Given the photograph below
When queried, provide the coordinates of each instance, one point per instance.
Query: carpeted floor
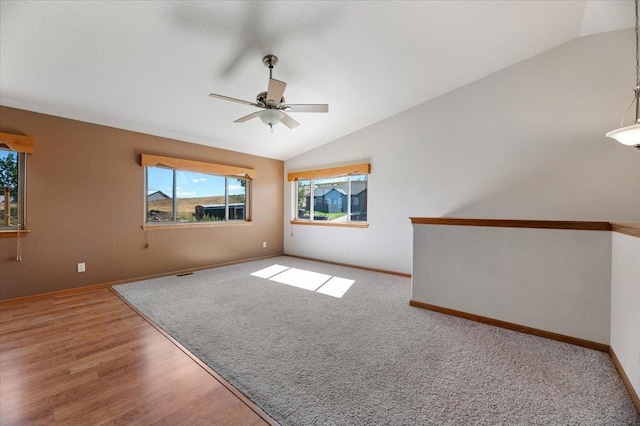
(368, 358)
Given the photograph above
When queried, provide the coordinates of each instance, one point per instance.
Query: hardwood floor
(88, 358)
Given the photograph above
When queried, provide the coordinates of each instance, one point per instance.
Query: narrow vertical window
(359, 198)
(160, 206)
(237, 190)
(303, 191)
(12, 177)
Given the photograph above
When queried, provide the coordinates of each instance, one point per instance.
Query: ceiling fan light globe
(271, 117)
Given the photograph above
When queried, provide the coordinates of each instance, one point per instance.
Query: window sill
(338, 225)
(161, 226)
(14, 234)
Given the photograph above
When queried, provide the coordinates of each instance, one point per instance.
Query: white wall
(556, 280)
(625, 305)
(526, 142)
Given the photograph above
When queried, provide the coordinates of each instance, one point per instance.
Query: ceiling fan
(272, 102)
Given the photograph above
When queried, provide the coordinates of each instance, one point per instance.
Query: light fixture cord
(637, 48)
(637, 91)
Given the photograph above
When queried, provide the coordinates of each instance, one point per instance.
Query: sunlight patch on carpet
(336, 287)
(270, 271)
(307, 280)
(302, 279)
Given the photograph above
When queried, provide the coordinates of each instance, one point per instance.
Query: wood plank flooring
(88, 358)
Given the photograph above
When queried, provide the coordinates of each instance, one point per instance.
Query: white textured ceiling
(149, 66)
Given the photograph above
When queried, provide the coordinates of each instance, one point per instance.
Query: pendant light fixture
(630, 135)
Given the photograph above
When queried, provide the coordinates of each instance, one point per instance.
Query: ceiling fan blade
(247, 117)
(308, 107)
(289, 122)
(275, 90)
(227, 98)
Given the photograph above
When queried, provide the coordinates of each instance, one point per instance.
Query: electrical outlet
(80, 267)
(264, 244)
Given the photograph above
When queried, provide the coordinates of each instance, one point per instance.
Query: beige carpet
(368, 358)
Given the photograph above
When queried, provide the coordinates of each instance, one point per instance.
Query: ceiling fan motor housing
(261, 100)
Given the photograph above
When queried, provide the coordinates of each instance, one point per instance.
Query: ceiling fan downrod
(270, 61)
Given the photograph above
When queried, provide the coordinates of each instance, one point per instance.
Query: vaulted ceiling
(149, 66)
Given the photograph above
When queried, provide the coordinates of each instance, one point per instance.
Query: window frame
(218, 170)
(313, 175)
(21, 146)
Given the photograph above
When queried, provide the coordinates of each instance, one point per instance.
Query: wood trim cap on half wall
(627, 228)
(511, 223)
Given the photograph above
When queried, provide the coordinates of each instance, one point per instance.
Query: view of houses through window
(338, 199)
(184, 196)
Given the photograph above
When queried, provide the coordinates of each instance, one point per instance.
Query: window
(183, 192)
(330, 189)
(13, 163)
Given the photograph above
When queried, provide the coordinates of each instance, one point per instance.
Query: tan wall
(85, 203)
